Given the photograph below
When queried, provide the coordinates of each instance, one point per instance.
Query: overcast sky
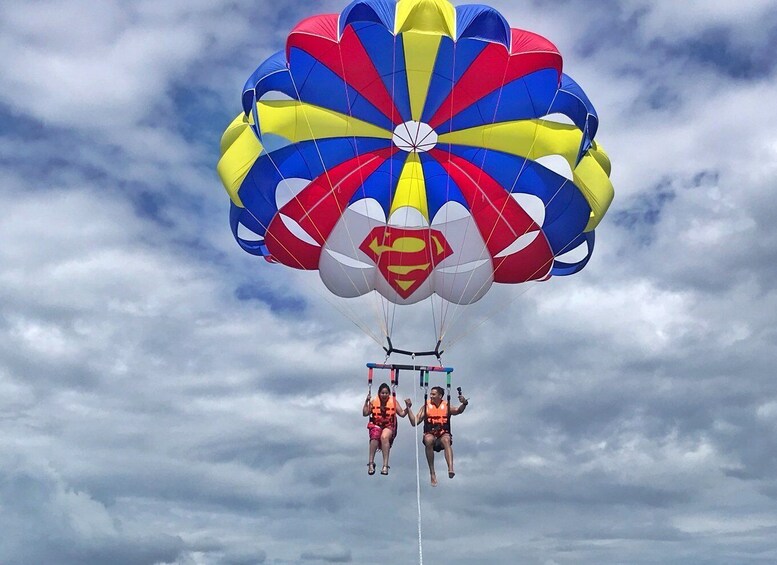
(167, 398)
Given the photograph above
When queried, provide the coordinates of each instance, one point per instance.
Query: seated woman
(382, 427)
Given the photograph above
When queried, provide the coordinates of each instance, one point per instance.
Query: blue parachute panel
(566, 210)
(573, 102)
(318, 85)
(453, 60)
(372, 11)
(482, 22)
(381, 184)
(522, 99)
(388, 55)
(440, 187)
(306, 160)
(274, 65)
(562, 269)
(240, 216)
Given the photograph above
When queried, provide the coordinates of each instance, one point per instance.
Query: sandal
(370, 468)
(384, 470)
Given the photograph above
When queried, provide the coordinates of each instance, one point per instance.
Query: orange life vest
(437, 418)
(383, 415)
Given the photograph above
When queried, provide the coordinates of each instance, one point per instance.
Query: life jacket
(383, 415)
(437, 418)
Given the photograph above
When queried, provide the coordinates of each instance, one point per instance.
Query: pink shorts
(375, 432)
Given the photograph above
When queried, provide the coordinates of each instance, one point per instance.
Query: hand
(368, 399)
(408, 403)
(463, 400)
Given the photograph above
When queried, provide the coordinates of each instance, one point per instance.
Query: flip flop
(384, 470)
(370, 468)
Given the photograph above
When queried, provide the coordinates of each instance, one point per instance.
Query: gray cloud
(328, 555)
(166, 398)
(51, 519)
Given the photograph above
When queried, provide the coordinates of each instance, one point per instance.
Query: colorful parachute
(413, 148)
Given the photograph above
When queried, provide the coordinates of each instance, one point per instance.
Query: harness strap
(448, 386)
(394, 382)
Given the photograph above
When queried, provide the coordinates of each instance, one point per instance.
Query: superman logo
(406, 257)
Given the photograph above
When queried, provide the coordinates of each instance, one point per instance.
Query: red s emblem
(405, 256)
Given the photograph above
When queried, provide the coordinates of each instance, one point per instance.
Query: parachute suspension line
(329, 181)
(378, 301)
(496, 311)
(434, 319)
(338, 306)
(389, 306)
(457, 308)
(443, 306)
(415, 179)
(388, 312)
(438, 321)
(533, 282)
(529, 285)
(256, 129)
(534, 142)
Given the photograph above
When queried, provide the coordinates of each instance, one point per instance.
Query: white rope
(418, 485)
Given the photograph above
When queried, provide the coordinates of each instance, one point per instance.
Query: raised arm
(460, 408)
(406, 410)
(415, 420)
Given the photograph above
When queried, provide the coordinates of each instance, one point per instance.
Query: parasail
(414, 148)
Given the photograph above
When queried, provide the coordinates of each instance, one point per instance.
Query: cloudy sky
(167, 398)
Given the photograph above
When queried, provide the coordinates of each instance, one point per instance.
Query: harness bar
(391, 349)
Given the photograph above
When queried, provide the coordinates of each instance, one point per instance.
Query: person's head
(436, 394)
(384, 391)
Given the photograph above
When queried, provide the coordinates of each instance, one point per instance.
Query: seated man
(437, 429)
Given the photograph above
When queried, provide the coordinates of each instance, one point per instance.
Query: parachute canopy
(414, 148)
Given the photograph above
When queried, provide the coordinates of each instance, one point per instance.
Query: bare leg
(373, 449)
(385, 447)
(448, 450)
(429, 445)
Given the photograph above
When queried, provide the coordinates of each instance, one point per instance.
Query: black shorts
(437, 445)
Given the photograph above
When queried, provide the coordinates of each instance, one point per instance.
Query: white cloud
(85, 66)
(50, 518)
(688, 19)
(166, 398)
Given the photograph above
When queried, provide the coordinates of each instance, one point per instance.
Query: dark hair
(382, 386)
(439, 390)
